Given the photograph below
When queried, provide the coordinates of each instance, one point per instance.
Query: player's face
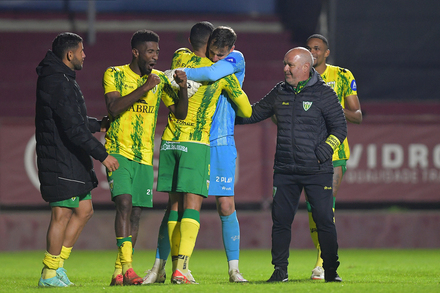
(319, 51)
(147, 55)
(293, 68)
(215, 53)
(78, 57)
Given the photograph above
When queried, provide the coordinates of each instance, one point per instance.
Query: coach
(310, 126)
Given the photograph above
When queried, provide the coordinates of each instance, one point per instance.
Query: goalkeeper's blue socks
(231, 236)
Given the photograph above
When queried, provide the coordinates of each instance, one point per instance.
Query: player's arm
(180, 108)
(214, 72)
(352, 109)
(237, 96)
(116, 104)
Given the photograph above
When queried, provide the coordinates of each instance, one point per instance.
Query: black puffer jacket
(304, 121)
(64, 134)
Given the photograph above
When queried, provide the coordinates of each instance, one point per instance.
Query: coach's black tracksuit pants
(287, 192)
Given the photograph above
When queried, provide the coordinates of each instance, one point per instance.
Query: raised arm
(116, 104)
(210, 73)
(180, 109)
(232, 64)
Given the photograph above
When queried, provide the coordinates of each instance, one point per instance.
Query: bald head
(297, 64)
(303, 55)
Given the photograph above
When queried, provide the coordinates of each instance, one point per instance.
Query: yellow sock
(118, 267)
(48, 273)
(314, 235)
(126, 255)
(51, 264)
(65, 253)
(189, 228)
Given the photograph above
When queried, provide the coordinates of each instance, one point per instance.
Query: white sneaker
(153, 277)
(236, 277)
(317, 274)
(191, 278)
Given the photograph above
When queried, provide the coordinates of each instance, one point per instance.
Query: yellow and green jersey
(202, 105)
(343, 83)
(131, 133)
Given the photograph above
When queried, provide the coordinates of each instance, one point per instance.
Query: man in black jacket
(310, 125)
(64, 146)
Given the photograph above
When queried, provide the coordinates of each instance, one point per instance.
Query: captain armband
(332, 141)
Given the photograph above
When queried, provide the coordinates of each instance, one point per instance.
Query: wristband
(332, 141)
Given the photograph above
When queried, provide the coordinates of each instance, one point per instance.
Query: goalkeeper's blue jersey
(222, 128)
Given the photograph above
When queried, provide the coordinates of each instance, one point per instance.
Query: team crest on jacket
(307, 105)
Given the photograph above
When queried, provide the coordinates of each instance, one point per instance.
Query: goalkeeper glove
(192, 85)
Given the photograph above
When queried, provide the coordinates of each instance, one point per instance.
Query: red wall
(390, 162)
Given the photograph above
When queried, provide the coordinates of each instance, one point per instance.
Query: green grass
(362, 270)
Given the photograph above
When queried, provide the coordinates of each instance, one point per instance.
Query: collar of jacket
(313, 78)
(51, 64)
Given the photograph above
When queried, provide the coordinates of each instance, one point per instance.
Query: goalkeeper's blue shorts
(222, 171)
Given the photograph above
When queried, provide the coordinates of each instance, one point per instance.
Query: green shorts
(71, 202)
(342, 163)
(184, 167)
(132, 178)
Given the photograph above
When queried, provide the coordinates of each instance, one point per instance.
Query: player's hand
(152, 81)
(180, 78)
(105, 124)
(111, 163)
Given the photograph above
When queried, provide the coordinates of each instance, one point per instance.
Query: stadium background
(389, 196)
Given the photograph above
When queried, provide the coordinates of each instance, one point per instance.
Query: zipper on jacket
(71, 180)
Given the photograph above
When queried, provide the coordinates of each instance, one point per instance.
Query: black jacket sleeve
(69, 113)
(261, 110)
(335, 122)
(94, 124)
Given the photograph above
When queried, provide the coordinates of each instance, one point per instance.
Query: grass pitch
(362, 270)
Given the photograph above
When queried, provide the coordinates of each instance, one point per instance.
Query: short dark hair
(318, 36)
(142, 36)
(200, 33)
(223, 36)
(64, 42)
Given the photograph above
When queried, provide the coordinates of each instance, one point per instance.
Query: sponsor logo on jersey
(353, 85)
(307, 105)
(331, 84)
(231, 59)
(285, 103)
(173, 146)
(182, 122)
(144, 108)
